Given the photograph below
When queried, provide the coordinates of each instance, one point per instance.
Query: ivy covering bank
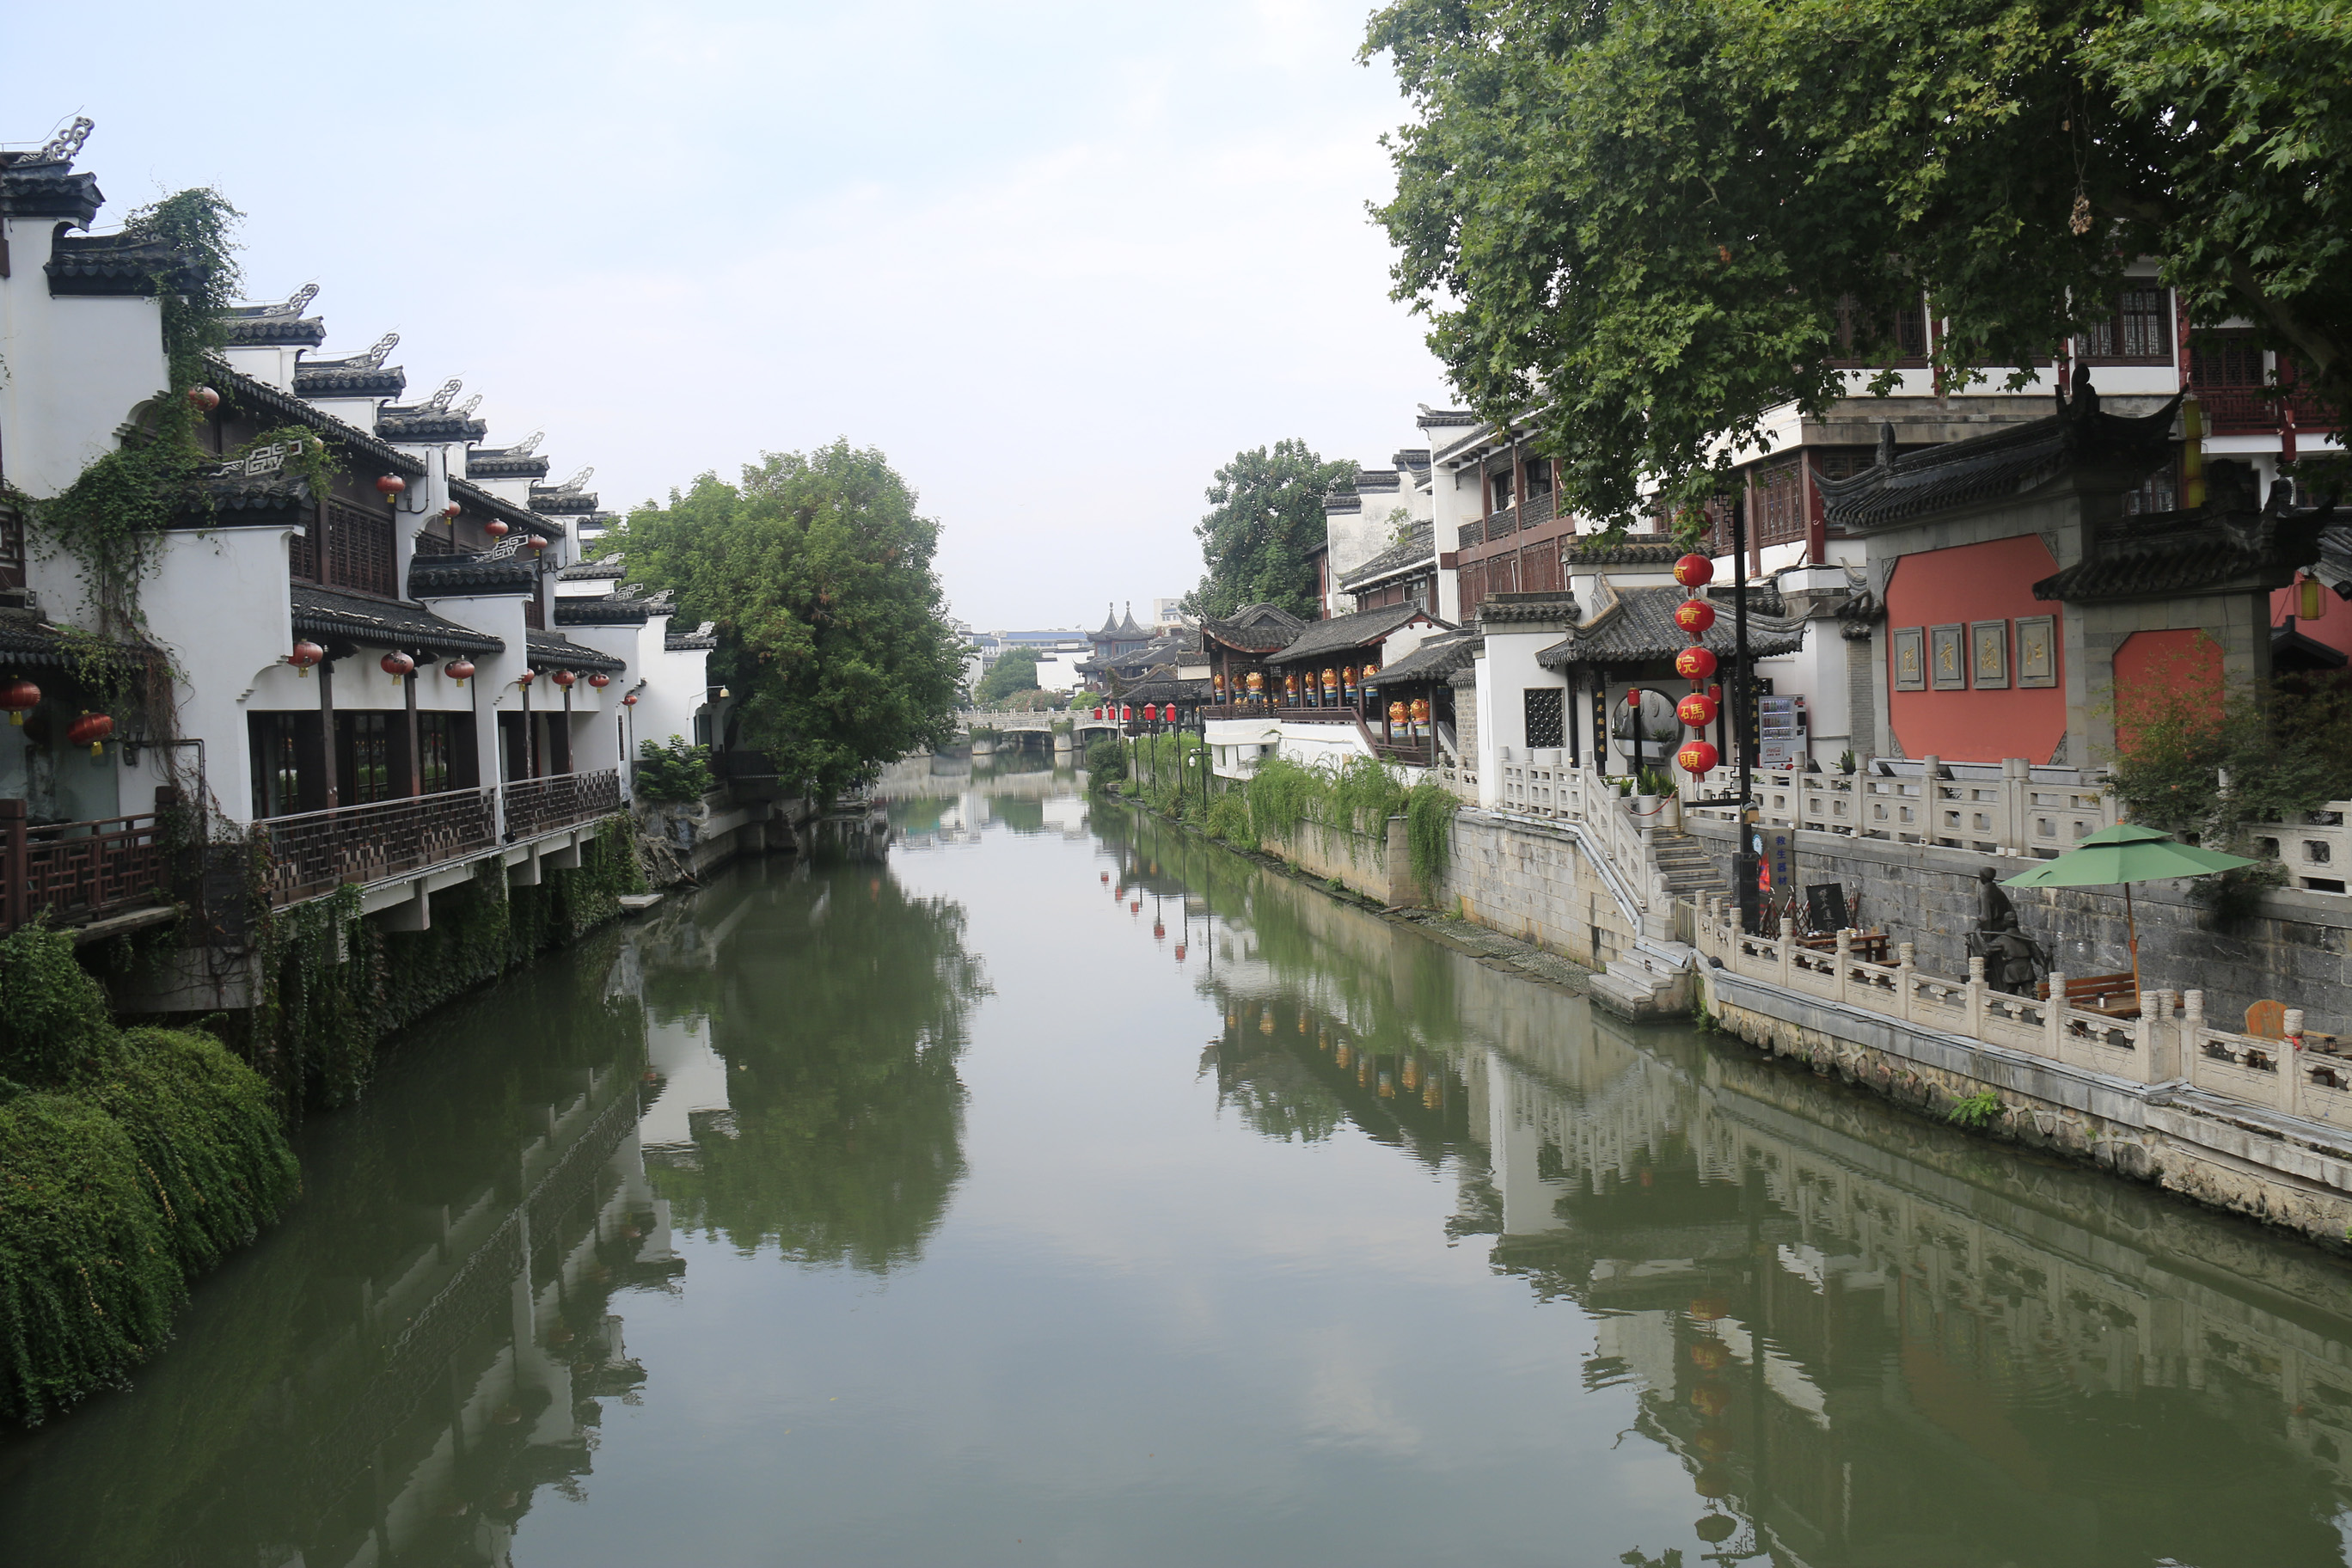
(130, 1160)
(334, 985)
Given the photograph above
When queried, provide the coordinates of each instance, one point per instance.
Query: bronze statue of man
(2013, 961)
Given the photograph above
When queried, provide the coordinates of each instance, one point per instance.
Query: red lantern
(1695, 711)
(306, 654)
(90, 730)
(1105, 877)
(1694, 616)
(391, 486)
(1698, 757)
(460, 670)
(1127, 715)
(1135, 906)
(19, 696)
(1633, 697)
(1694, 664)
(564, 679)
(496, 527)
(1097, 712)
(396, 664)
(451, 511)
(1151, 713)
(600, 680)
(1159, 930)
(1180, 952)
(537, 540)
(630, 701)
(526, 677)
(203, 398)
(1694, 571)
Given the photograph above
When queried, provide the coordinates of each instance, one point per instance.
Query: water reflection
(1868, 1338)
(934, 800)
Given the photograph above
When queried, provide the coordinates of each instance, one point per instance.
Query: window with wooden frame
(1861, 349)
(2138, 332)
(12, 547)
(2158, 493)
(1538, 477)
(1499, 492)
(359, 550)
(2226, 360)
(433, 751)
(534, 613)
(1780, 506)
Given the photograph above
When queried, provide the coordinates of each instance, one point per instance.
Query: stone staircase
(1683, 861)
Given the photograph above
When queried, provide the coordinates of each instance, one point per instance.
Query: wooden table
(1870, 946)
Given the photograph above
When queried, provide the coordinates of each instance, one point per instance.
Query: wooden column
(327, 731)
(416, 750)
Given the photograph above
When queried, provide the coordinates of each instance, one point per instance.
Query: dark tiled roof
(470, 576)
(250, 500)
(1638, 627)
(2168, 554)
(1417, 550)
(2000, 465)
(594, 571)
(704, 636)
(555, 648)
(495, 463)
(584, 612)
(1257, 628)
(1520, 609)
(1628, 552)
(476, 498)
(241, 388)
(1166, 689)
(34, 187)
(26, 638)
(349, 381)
(1343, 500)
(1379, 480)
(282, 322)
(88, 264)
(1431, 417)
(1859, 613)
(1432, 661)
(1415, 459)
(557, 503)
(1341, 633)
(426, 423)
(384, 623)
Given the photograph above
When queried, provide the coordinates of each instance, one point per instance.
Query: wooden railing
(77, 872)
(315, 852)
(542, 805)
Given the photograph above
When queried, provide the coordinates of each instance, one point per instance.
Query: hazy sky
(1057, 260)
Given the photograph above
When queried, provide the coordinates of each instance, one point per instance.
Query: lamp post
(1743, 700)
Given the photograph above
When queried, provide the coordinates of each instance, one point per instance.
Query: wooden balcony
(541, 805)
(76, 872)
(315, 852)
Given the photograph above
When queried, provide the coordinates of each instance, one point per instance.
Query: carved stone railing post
(2054, 1018)
(2165, 1056)
(2192, 1032)
(2290, 1064)
(1844, 957)
(1787, 967)
(1976, 999)
(1906, 970)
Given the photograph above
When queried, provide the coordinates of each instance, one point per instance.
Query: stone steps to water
(1684, 864)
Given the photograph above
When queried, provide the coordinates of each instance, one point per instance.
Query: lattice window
(359, 551)
(1861, 348)
(432, 751)
(1544, 710)
(429, 543)
(2158, 493)
(2139, 332)
(12, 548)
(534, 613)
(366, 759)
(302, 552)
(1780, 506)
(1540, 568)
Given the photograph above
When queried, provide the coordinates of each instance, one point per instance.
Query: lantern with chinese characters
(391, 486)
(600, 680)
(1694, 571)
(90, 730)
(306, 654)
(1697, 710)
(1698, 757)
(1694, 616)
(203, 399)
(1694, 663)
(398, 665)
(496, 527)
(564, 679)
(460, 670)
(19, 696)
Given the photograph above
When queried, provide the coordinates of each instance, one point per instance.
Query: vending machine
(1782, 732)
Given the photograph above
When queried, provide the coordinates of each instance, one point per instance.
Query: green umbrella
(2126, 854)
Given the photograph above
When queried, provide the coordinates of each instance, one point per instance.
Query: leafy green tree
(1014, 671)
(1659, 219)
(831, 624)
(1266, 513)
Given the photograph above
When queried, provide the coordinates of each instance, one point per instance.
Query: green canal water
(1029, 1184)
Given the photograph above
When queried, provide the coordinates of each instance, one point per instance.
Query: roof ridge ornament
(377, 352)
(577, 482)
(294, 304)
(528, 445)
(466, 409)
(439, 402)
(503, 550)
(66, 145)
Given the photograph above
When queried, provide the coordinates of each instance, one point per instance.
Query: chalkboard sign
(1825, 906)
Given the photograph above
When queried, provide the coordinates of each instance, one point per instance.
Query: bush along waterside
(332, 985)
(130, 1160)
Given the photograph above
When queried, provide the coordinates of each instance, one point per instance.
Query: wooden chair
(2266, 1020)
(2114, 995)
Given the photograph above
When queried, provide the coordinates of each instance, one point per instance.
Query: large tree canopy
(1266, 513)
(1015, 669)
(1659, 218)
(831, 622)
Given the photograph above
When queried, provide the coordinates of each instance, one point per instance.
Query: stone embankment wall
(2294, 950)
(1532, 882)
(1379, 869)
(2287, 1174)
(682, 840)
